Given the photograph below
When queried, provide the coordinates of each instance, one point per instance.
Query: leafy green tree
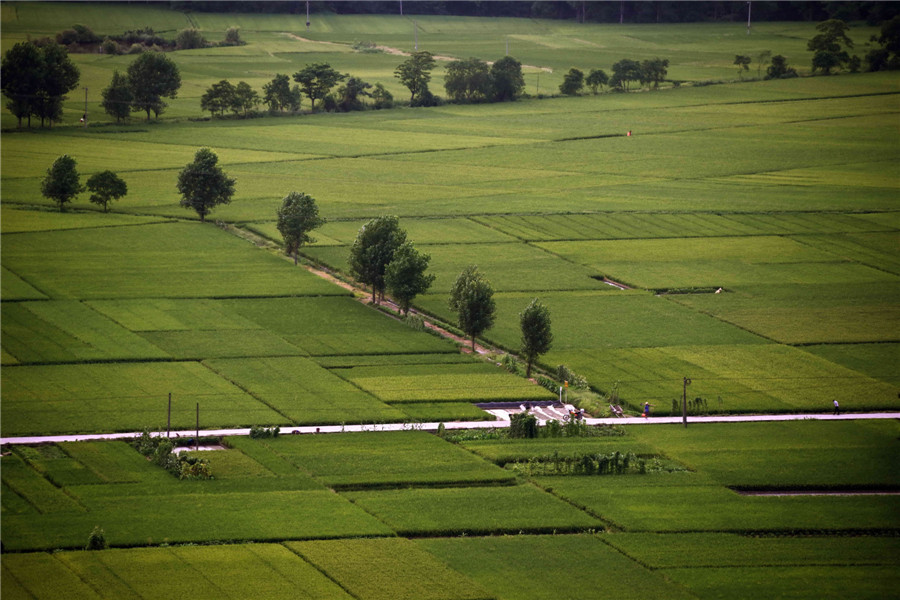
(573, 82)
(507, 81)
(624, 72)
(597, 78)
(467, 80)
(62, 182)
(21, 80)
(348, 95)
(828, 46)
(278, 94)
(298, 215)
(654, 71)
(405, 276)
(415, 73)
(117, 97)
(203, 184)
(779, 68)
(373, 250)
(106, 186)
(97, 539)
(218, 98)
(316, 81)
(245, 99)
(536, 335)
(152, 77)
(743, 64)
(472, 298)
(36, 79)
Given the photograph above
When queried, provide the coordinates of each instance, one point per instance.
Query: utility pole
(416, 34)
(307, 15)
(537, 89)
(197, 439)
(748, 17)
(169, 418)
(85, 107)
(687, 382)
(507, 45)
(401, 8)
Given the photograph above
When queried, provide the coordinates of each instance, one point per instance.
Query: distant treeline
(612, 11)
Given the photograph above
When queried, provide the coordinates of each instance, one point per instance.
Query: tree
(472, 298)
(203, 184)
(654, 71)
(536, 336)
(827, 46)
(415, 73)
(316, 81)
(761, 59)
(297, 217)
(218, 97)
(278, 94)
(36, 79)
(507, 81)
(405, 276)
(573, 82)
(233, 37)
(887, 57)
(743, 64)
(21, 79)
(349, 94)
(245, 99)
(117, 97)
(467, 80)
(597, 78)
(373, 249)
(62, 182)
(625, 71)
(152, 77)
(106, 186)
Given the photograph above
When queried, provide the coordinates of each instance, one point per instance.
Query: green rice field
(751, 229)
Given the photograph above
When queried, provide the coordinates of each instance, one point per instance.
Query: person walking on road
(646, 413)
(837, 408)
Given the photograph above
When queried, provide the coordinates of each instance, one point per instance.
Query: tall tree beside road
(472, 298)
(405, 276)
(203, 184)
(372, 251)
(298, 215)
(152, 77)
(536, 335)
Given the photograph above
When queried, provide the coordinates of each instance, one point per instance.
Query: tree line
(37, 75)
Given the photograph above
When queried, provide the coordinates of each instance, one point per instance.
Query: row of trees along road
(380, 256)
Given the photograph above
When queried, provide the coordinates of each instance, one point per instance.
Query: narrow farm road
(450, 425)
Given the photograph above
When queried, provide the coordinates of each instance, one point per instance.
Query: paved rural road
(454, 425)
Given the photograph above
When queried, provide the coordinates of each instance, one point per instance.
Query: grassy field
(782, 193)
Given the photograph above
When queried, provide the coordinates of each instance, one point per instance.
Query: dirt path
(399, 52)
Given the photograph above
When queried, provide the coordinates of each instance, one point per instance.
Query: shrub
(381, 97)
(563, 373)
(548, 383)
(416, 322)
(97, 539)
(135, 49)
(523, 425)
(264, 432)
(109, 47)
(188, 39)
(233, 37)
